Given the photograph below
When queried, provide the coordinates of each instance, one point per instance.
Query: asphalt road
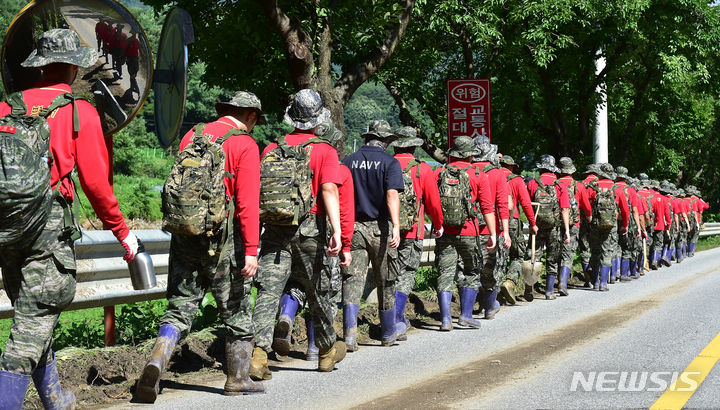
(525, 358)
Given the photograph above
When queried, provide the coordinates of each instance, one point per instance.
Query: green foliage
(426, 279)
(80, 328)
(139, 321)
(708, 242)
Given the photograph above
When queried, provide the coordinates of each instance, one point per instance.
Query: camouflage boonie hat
(244, 99)
(306, 110)
(463, 147)
(488, 151)
(407, 137)
(606, 170)
(643, 176)
(622, 173)
(328, 132)
(508, 161)
(591, 169)
(60, 45)
(680, 192)
(665, 188)
(547, 162)
(566, 166)
(379, 129)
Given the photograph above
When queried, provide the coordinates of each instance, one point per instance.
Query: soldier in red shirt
(662, 220)
(584, 234)
(603, 239)
(462, 241)
(695, 208)
(493, 262)
(132, 55)
(553, 219)
(518, 193)
(647, 219)
(196, 263)
(99, 27)
(39, 273)
(301, 248)
(428, 200)
(629, 242)
(295, 295)
(120, 42)
(577, 195)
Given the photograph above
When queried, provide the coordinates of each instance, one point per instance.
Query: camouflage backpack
(25, 194)
(604, 209)
(574, 210)
(549, 208)
(286, 183)
(455, 195)
(631, 222)
(409, 204)
(194, 200)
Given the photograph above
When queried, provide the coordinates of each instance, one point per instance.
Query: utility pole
(601, 117)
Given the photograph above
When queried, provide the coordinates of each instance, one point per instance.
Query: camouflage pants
(550, 241)
(370, 246)
(682, 234)
(628, 243)
(516, 252)
(568, 251)
(603, 246)
(657, 242)
(669, 236)
(300, 251)
(584, 243)
(332, 264)
(449, 249)
(694, 234)
(408, 261)
(198, 264)
(39, 280)
(493, 264)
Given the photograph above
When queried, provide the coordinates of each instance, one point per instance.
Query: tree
(281, 46)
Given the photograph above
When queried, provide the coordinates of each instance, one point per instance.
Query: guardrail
(103, 278)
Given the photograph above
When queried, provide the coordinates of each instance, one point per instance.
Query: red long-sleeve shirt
(581, 197)
(620, 200)
(242, 160)
(519, 192)
(324, 163)
(346, 191)
(661, 210)
(133, 47)
(633, 196)
(498, 190)
(426, 191)
(85, 150)
(548, 178)
(480, 192)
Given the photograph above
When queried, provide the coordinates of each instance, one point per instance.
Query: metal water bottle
(142, 271)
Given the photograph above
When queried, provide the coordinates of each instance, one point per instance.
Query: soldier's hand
(334, 245)
(507, 242)
(437, 234)
(395, 239)
(491, 243)
(345, 259)
(250, 268)
(623, 230)
(534, 230)
(130, 243)
(644, 234)
(639, 233)
(567, 237)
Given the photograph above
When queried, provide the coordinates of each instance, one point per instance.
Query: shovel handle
(532, 255)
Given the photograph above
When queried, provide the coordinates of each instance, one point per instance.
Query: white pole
(601, 118)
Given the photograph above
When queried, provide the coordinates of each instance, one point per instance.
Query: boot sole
(259, 375)
(508, 295)
(466, 324)
(148, 386)
(281, 341)
(241, 393)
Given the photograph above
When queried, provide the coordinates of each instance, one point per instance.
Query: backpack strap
(62, 100)
(487, 168)
(17, 103)
(231, 132)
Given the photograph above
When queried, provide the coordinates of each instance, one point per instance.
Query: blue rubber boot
(691, 251)
(283, 329)
(550, 287)
(564, 277)
(400, 302)
(13, 387)
(467, 302)
(444, 300)
(312, 349)
(604, 276)
(625, 270)
(595, 277)
(148, 387)
(492, 306)
(350, 313)
(47, 383)
(665, 260)
(634, 274)
(613, 267)
(678, 254)
(389, 327)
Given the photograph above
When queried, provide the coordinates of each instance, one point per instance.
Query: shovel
(531, 269)
(646, 264)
